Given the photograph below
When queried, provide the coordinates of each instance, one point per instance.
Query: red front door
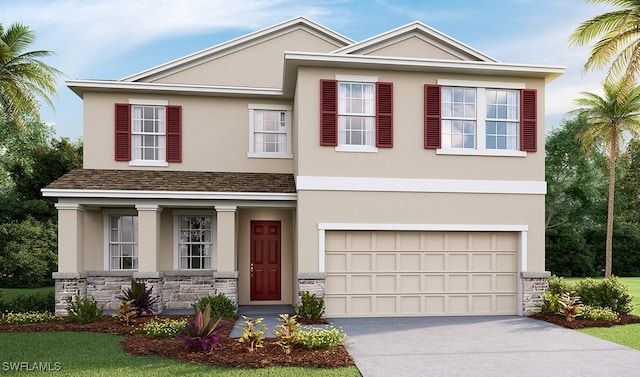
(265, 260)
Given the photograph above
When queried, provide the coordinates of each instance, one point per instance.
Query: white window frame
(481, 118)
(252, 131)
(177, 214)
(107, 237)
(162, 161)
(358, 79)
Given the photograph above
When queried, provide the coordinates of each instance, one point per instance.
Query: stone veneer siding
(174, 289)
(312, 283)
(534, 284)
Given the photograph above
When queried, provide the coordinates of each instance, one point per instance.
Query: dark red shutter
(123, 132)
(528, 121)
(432, 116)
(174, 133)
(384, 114)
(329, 112)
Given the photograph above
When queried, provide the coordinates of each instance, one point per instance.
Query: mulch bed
(579, 323)
(231, 354)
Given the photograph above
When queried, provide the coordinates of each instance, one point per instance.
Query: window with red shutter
(384, 114)
(174, 133)
(329, 112)
(432, 116)
(122, 132)
(528, 121)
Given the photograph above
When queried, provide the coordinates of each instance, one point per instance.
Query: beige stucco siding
(215, 134)
(94, 242)
(414, 47)
(258, 67)
(315, 207)
(285, 216)
(407, 158)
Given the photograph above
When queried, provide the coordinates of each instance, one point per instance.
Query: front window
(459, 118)
(123, 242)
(148, 130)
(195, 242)
(269, 132)
(356, 114)
(502, 119)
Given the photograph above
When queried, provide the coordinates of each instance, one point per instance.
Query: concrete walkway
(481, 346)
(270, 313)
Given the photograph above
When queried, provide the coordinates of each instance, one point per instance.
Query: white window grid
(356, 113)
(503, 113)
(148, 133)
(459, 124)
(270, 131)
(195, 242)
(123, 242)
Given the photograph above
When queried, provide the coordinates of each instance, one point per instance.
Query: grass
(76, 354)
(9, 293)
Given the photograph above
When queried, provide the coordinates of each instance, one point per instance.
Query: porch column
(70, 237)
(148, 237)
(226, 239)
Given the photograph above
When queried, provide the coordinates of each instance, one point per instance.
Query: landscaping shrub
(221, 305)
(598, 314)
(311, 306)
(570, 306)
(84, 309)
(605, 293)
(32, 317)
(550, 303)
(318, 338)
(164, 328)
(202, 332)
(285, 332)
(32, 302)
(252, 333)
(558, 285)
(126, 312)
(140, 297)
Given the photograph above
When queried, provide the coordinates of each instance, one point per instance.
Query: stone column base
(534, 284)
(68, 285)
(312, 282)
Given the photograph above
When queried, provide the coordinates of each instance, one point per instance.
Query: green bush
(32, 317)
(317, 338)
(84, 309)
(550, 303)
(558, 285)
(32, 302)
(164, 328)
(311, 306)
(598, 314)
(221, 306)
(605, 293)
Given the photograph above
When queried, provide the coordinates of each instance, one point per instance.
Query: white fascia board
(127, 194)
(79, 86)
(415, 65)
(314, 183)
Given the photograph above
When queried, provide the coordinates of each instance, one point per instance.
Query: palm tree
(619, 41)
(609, 119)
(23, 77)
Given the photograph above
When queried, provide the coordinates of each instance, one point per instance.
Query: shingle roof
(188, 181)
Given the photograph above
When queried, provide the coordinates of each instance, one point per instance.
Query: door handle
(251, 268)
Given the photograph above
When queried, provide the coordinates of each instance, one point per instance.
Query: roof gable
(241, 43)
(415, 40)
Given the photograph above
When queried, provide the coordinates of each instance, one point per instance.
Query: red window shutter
(123, 132)
(329, 112)
(384, 114)
(528, 121)
(174, 133)
(432, 116)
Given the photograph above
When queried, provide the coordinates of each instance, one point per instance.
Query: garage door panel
(420, 273)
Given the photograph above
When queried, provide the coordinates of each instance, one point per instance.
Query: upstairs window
(269, 131)
(148, 132)
(356, 114)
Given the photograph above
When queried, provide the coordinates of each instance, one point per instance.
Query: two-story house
(402, 175)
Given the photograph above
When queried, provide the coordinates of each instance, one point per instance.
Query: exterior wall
(285, 216)
(534, 284)
(259, 66)
(215, 134)
(316, 207)
(414, 47)
(407, 158)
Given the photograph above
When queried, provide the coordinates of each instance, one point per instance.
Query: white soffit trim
(311, 183)
(126, 194)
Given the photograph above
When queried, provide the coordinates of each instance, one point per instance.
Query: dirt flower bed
(232, 353)
(580, 323)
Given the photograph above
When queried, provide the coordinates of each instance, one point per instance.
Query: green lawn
(74, 354)
(9, 293)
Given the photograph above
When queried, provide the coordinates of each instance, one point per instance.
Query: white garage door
(389, 273)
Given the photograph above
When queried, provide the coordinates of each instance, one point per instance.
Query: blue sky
(99, 39)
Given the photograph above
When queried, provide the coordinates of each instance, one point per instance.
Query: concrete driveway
(481, 346)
